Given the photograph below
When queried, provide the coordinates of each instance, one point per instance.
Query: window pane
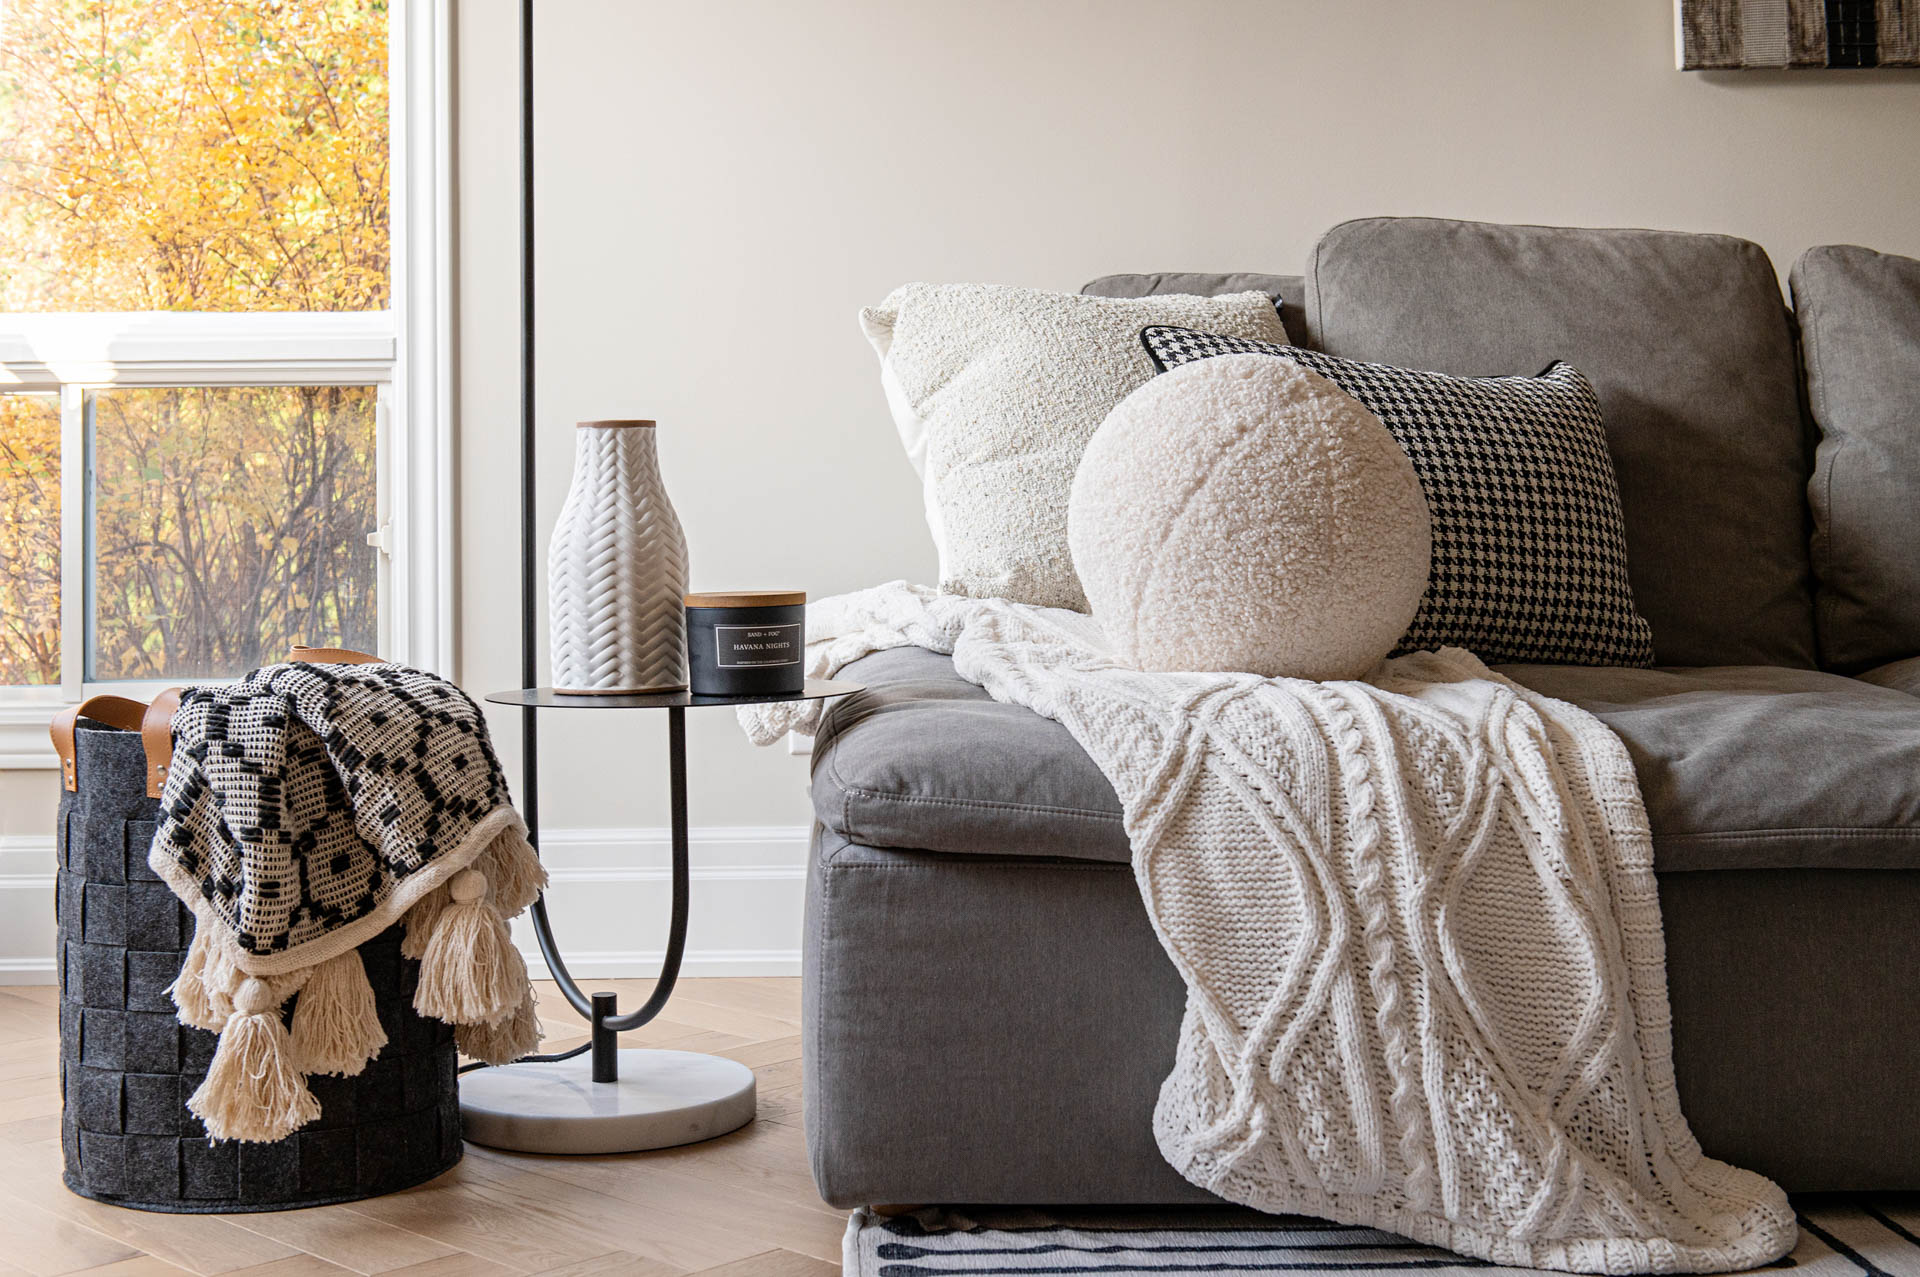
(193, 155)
(227, 524)
(29, 538)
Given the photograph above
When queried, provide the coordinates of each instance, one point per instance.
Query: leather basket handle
(155, 722)
(156, 737)
(114, 711)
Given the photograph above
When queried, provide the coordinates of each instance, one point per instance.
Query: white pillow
(1244, 515)
(995, 392)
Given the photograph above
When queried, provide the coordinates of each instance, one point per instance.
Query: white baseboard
(609, 898)
(26, 909)
(617, 965)
(610, 892)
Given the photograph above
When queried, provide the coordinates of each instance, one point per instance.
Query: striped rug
(1839, 1237)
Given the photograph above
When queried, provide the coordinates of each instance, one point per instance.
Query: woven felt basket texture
(127, 1065)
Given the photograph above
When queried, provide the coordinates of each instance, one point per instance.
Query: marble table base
(661, 1099)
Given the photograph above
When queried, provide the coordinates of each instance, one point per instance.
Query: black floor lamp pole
(529, 725)
(529, 539)
(599, 1010)
(672, 1097)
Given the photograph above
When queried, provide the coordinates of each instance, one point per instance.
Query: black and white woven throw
(1839, 1237)
(1529, 546)
(308, 808)
(313, 804)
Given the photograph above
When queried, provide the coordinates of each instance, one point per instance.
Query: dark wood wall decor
(1737, 35)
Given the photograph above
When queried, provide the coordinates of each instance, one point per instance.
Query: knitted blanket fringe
(1417, 922)
(241, 820)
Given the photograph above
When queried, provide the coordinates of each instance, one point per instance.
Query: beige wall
(724, 184)
(27, 802)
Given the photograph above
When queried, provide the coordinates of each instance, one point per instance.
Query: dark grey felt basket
(127, 1065)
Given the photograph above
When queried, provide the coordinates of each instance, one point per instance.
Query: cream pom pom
(253, 1089)
(470, 972)
(1241, 513)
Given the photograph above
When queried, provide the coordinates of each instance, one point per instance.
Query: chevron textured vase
(617, 569)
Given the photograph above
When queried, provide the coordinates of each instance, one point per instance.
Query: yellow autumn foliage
(193, 155)
(207, 563)
(29, 539)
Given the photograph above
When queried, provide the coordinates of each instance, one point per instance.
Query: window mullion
(394, 630)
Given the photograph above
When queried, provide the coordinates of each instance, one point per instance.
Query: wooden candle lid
(613, 423)
(747, 598)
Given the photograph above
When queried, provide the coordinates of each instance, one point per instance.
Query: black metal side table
(619, 1101)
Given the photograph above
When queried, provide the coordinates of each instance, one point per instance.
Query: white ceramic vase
(617, 569)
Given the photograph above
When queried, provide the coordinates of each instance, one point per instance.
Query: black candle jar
(746, 643)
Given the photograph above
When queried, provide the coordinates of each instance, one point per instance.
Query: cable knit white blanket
(1416, 917)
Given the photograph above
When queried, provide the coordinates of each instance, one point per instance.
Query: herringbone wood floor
(739, 1206)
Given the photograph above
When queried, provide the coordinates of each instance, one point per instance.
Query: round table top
(546, 698)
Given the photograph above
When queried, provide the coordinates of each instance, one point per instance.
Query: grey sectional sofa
(988, 1014)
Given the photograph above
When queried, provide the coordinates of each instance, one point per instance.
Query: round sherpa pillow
(1242, 513)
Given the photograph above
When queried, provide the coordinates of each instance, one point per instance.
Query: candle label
(738, 646)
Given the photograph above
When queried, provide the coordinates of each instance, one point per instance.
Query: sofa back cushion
(1688, 343)
(1289, 292)
(1859, 315)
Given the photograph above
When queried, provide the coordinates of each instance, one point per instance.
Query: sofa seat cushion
(1742, 767)
(1757, 767)
(1902, 676)
(923, 759)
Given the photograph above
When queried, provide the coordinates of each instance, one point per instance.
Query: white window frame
(405, 353)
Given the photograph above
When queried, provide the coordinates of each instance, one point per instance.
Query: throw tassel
(189, 988)
(220, 976)
(514, 869)
(336, 1026)
(506, 1039)
(253, 1092)
(420, 920)
(471, 973)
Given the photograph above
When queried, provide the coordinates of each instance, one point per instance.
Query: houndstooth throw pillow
(1529, 548)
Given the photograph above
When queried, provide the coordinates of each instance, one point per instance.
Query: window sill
(161, 348)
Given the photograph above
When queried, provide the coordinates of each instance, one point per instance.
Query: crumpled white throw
(1416, 917)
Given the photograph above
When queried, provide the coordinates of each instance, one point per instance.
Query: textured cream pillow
(1242, 513)
(995, 392)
